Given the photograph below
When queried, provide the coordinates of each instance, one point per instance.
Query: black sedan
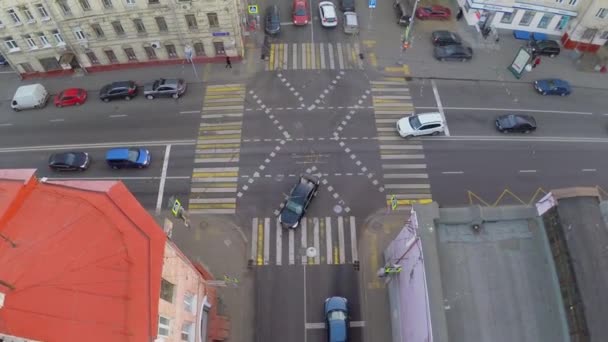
(118, 90)
(69, 161)
(170, 87)
(515, 123)
(298, 201)
(453, 52)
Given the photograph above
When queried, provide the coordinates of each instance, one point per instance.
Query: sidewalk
(378, 231)
(219, 244)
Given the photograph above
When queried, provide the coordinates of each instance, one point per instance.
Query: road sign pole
(371, 4)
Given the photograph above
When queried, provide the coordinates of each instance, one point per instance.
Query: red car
(71, 97)
(300, 12)
(433, 12)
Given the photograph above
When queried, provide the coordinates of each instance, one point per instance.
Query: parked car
(336, 316)
(298, 201)
(553, 86)
(327, 12)
(3, 60)
(69, 161)
(30, 96)
(71, 97)
(436, 12)
(544, 48)
(301, 12)
(403, 16)
(515, 123)
(347, 5)
(453, 53)
(444, 38)
(420, 124)
(135, 157)
(170, 87)
(118, 90)
(272, 21)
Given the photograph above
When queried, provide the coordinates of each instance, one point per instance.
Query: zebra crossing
(215, 174)
(309, 56)
(403, 161)
(334, 240)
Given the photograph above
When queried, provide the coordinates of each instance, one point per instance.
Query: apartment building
(582, 24)
(56, 36)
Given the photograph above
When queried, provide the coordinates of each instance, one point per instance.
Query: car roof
(328, 7)
(429, 117)
(117, 153)
(72, 91)
(445, 34)
(551, 43)
(121, 84)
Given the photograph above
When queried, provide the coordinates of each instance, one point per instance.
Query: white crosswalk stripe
(312, 56)
(334, 239)
(404, 171)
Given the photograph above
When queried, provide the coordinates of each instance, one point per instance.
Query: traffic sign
(372, 4)
(393, 202)
(253, 9)
(176, 207)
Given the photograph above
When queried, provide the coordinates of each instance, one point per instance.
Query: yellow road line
(395, 79)
(260, 243)
(214, 174)
(213, 185)
(281, 55)
(353, 54)
(308, 55)
(271, 58)
(212, 206)
(210, 146)
(373, 60)
(220, 128)
(411, 201)
(336, 259)
(225, 89)
(222, 136)
(318, 53)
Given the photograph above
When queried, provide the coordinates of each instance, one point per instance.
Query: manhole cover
(337, 209)
(311, 252)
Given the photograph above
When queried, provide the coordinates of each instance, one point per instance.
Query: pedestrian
(228, 62)
(536, 62)
(459, 14)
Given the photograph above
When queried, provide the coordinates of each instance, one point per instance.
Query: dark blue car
(119, 158)
(553, 86)
(336, 315)
(298, 201)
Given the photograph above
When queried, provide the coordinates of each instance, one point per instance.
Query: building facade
(581, 24)
(57, 36)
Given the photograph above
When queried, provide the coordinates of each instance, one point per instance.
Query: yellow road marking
(215, 146)
(369, 43)
(395, 79)
(214, 174)
(220, 136)
(232, 95)
(271, 58)
(212, 205)
(374, 264)
(411, 201)
(260, 243)
(220, 128)
(373, 60)
(281, 55)
(308, 55)
(213, 185)
(225, 89)
(354, 56)
(336, 259)
(318, 53)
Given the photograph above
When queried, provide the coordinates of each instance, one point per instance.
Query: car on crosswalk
(327, 12)
(300, 196)
(421, 124)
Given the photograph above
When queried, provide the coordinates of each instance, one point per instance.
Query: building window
(10, 43)
(28, 15)
(191, 21)
(604, 35)
(559, 1)
(572, 2)
(58, 37)
(213, 21)
(199, 49)
(219, 48)
(166, 288)
(107, 4)
(507, 18)
(150, 53)
(85, 5)
(139, 25)
(601, 13)
(153, 2)
(188, 331)
(190, 302)
(526, 19)
(79, 34)
(164, 326)
(43, 40)
(171, 50)
(42, 11)
(545, 20)
(27, 67)
(65, 8)
(14, 16)
(130, 54)
(589, 34)
(30, 41)
(162, 24)
(92, 58)
(98, 31)
(131, 2)
(120, 31)
(111, 56)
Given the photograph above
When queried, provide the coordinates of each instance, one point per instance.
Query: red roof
(86, 262)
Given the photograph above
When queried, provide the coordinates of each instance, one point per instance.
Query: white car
(327, 11)
(420, 124)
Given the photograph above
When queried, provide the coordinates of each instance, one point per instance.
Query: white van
(351, 24)
(30, 96)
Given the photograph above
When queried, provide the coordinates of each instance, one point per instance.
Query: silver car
(165, 87)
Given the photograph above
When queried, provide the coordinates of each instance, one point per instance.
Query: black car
(453, 52)
(445, 38)
(515, 123)
(69, 161)
(118, 90)
(298, 201)
(170, 87)
(403, 16)
(272, 22)
(544, 48)
(347, 5)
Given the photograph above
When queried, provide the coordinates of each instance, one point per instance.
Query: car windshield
(60, 95)
(295, 207)
(552, 84)
(133, 155)
(337, 315)
(300, 11)
(415, 122)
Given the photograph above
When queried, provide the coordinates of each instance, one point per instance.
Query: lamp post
(405, 38)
